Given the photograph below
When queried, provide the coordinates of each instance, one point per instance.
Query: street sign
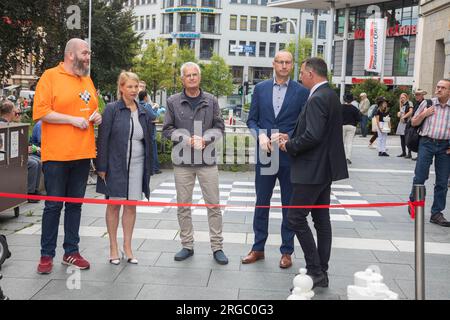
(249, 49)
(236, 48)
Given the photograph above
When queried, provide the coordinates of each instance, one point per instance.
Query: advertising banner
(374, 44)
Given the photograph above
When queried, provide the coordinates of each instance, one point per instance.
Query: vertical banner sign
(374, 43)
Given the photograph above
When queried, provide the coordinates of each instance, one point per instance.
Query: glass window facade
(253, 44)
(309, 28)
(187, 43)
(263, 24)
(187, 3)
(168, 23)
(401, 56)
(231, 43)
(262, 49)
(208, 23)
(253, 23)
(209, 3)
(187, 22)
(206, 48)
(243, 23)
(272, 49)
(322, 29)
(242, 43)
(233, 22)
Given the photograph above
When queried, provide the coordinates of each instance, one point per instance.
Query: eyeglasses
(283, 62)
(192, 75)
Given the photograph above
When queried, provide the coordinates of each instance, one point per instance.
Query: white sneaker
(371, 146)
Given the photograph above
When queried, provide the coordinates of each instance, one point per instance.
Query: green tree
(216, 77)
(304, 51)
(156, 66)
(183, 54)
(372, 87)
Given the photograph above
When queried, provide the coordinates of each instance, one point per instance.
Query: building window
(208, 23)
(168, 23)
(136, 24)
(238, 73)
(401, 56)
(272, 49)
(260, 74)
(244, 1)
(187, 22)
(309, 28)
(188, 3)
(147, 22)
(243, 24)
(292, 26)
(282, 46)
(169, 3)
(231, 43)
(209, 3)
(263, 24)
(233, 1)
(206, 48)
(272, 27)
(320, 50)
(263, 2)
(242, 43)
(262, 49)
(322, 29)
(153, 21)
(253, 45)
(187, 43)
(233, 22)
(253, 23)
(254, 1)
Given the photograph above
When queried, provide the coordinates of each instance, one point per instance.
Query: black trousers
(316, 257)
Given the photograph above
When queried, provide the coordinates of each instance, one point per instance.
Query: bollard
(419, 195)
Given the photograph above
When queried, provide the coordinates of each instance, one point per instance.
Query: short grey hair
(189, 64)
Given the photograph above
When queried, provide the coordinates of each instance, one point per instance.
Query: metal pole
(315, 27)
(331, 36)
(89, 32)
(344, 52)
(419, 195)
(297, 40)
(383, 54)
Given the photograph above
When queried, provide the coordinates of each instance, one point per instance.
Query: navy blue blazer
(262, 115)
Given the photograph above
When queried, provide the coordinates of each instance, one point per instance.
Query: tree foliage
(216, 77)
(156, 66)
(39, 28)
(304, 51)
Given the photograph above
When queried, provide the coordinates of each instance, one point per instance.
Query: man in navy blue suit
(276, 105)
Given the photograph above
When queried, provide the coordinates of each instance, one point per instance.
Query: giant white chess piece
(369, 286)
(302, 287)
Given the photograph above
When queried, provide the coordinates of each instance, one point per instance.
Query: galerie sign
(374, 44)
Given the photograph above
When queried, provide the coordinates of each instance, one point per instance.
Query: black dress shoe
(401, 155)
(408, 156)
(319, 280)
(157, 172)
(438, 218)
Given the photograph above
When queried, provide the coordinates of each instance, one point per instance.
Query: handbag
(386, 127)
(412, 136)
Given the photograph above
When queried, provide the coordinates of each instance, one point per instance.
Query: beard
(79, 68)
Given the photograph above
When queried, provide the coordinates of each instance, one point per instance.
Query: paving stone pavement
(383, 237)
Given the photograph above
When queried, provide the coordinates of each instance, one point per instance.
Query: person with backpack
(434, 143)
(405, 112)
(419, 96)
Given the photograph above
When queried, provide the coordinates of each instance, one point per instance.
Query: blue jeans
(63, 179)
(364, 120)
(429, 148)
(264, 185)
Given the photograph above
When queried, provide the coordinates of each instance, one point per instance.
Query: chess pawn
(302, 287)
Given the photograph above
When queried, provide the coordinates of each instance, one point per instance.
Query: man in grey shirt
(194, 123)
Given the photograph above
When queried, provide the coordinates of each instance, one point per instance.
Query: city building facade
(225, 27)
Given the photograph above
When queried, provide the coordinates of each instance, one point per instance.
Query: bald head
(77, 57)
(282, 54)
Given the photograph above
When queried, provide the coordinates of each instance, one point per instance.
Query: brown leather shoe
(253, 256)
(285, 261)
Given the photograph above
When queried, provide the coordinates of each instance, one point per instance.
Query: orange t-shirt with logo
(62, 92)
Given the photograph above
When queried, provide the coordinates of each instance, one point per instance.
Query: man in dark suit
(318, 158)
(276, 104)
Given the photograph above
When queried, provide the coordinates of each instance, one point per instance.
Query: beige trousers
(208, 178)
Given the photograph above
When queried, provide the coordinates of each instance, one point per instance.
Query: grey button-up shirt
(279, 91)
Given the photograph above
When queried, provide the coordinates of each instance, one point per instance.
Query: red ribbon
(411, 204)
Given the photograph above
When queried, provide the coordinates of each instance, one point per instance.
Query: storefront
(400, 47)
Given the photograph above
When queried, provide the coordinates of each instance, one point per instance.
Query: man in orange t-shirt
(66, 102)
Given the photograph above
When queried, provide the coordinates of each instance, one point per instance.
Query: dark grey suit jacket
(316, 147)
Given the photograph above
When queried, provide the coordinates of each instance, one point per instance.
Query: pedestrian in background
(124, 161)
(380, 117)
(404, 114)
(350, 118)
(364, 106)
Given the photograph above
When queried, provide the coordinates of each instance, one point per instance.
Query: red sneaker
(45, 265)
(75, 259)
